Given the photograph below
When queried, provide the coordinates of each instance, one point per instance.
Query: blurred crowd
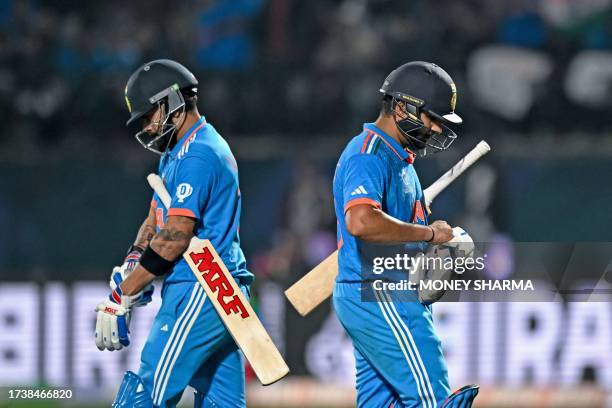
(280, 66)
(291, 71)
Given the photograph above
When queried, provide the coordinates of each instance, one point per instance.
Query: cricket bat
(230, 303)
(318, 284)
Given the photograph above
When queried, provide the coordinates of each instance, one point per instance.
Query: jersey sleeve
(364, 181)
(195, 177)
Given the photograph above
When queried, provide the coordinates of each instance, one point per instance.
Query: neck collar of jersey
(189, 136)
(400, 152)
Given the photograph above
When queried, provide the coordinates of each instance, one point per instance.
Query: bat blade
(235, 311)
(318, 284)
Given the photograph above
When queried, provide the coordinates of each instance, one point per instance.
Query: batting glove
(138, 299)
(112, 322)
(120, 273)
(462, 245)
(131, 259)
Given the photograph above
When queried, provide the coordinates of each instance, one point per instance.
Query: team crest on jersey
(183, 191)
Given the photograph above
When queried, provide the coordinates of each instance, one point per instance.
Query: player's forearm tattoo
(145, 235)
(172, 240)
(173, 235)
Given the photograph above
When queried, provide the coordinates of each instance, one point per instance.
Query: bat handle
(157, 184)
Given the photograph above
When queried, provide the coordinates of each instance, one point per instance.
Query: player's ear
(178, 116)
(398, 110)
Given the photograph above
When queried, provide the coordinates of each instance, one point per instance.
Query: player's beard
(415, 138)
(165, 138)
(160, 141)
(419, 138)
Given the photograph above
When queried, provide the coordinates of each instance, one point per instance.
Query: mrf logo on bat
(217, 281)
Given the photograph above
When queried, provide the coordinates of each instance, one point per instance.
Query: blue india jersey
(201, 175)
(374, 169)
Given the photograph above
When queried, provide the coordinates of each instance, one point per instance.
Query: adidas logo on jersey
(359, 190)
(164, 328)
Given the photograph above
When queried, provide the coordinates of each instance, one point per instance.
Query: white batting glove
(462, 245)
(113, 319)
(434, 272)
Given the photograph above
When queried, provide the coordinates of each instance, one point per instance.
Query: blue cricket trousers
(397, 352)
(189, 345)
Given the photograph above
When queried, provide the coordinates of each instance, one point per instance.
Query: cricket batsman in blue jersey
(188, 343)
(379, 200)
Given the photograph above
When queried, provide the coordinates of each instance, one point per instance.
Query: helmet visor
(154, 130)
(421, 138)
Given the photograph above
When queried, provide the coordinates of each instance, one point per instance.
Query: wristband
(154, 263)
(433, 234)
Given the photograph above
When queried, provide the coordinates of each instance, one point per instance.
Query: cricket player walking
(188, 343)
(379, 200)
